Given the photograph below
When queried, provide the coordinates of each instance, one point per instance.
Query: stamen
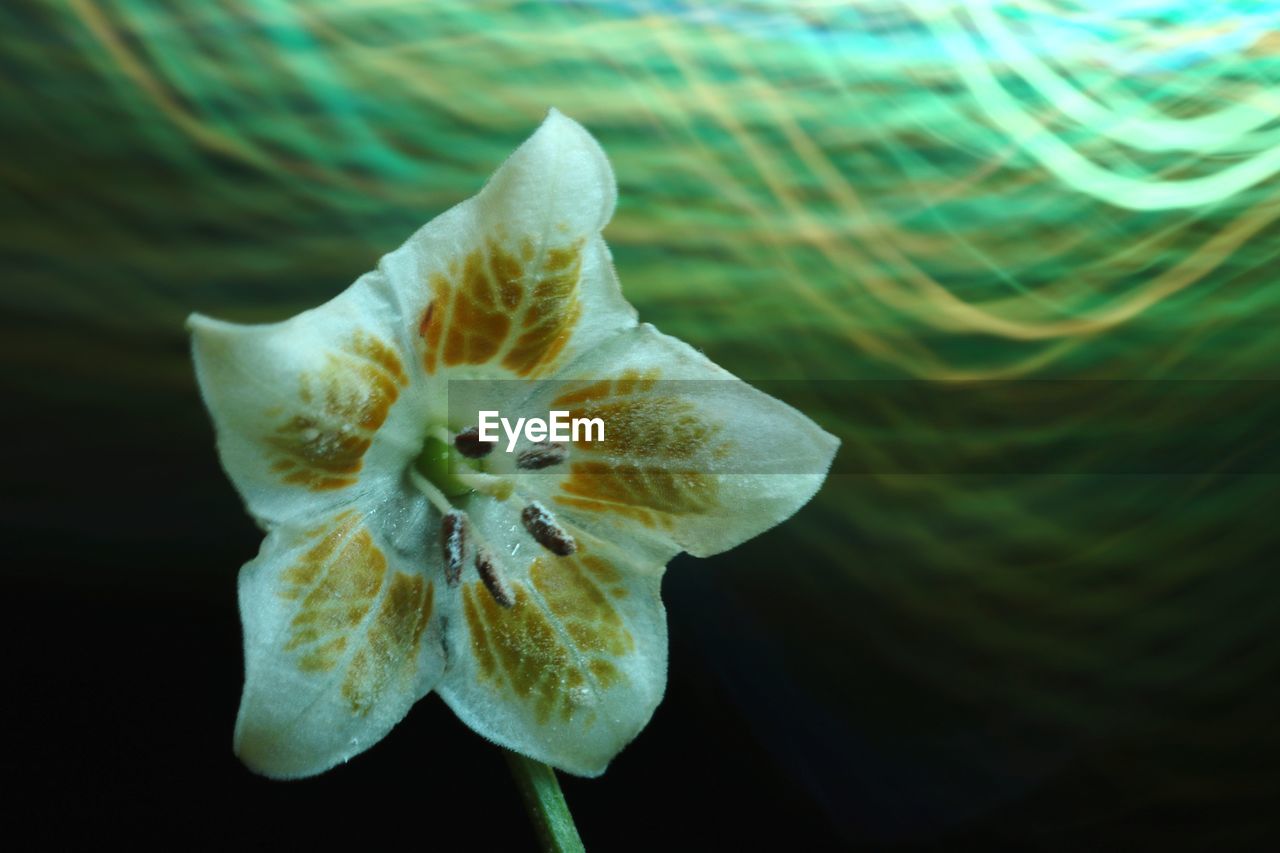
(453, 541)
(543, 528)
(544, 454)
(493, 580)
(489, 484)
(430, 490)
(469, 444)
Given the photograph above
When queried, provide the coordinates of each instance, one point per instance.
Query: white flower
(400, 559)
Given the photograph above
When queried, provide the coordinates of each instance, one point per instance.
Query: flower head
(405, 553)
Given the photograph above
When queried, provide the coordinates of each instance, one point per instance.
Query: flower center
(446, 470)
(444, 467)
(452, 466)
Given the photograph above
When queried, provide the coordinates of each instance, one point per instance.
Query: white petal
(693, 457)
(558, 180)
(310, 413)
(342, 636)
(573, 671)
(517, 281)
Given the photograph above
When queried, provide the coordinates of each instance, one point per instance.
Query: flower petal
(693, 457)
(340, 641)
(574, 669)
(305, 410)
(517, 280)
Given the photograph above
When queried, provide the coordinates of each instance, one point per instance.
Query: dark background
(123, 540)
(1029, 617)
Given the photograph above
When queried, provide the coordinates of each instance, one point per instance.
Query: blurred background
(1019, 256)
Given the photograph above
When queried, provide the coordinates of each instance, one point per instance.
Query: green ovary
(441, 464)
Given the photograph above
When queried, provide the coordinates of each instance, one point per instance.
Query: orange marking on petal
(543, 343)
(592, 391)
(390, 652)
(345, 402)
(316, 483)
(652, 488)
(336, 582)
(324, 657)
(307, 570)
(648, 427)
(562, 259)
(507, 274)
(455, 342)
(480, 645)
(602, 569)
(650, 467)
(478, 326)
(630, 382)
(431, 326)
(641, 421)
(378, 353)
(644, 517)
(582, 605)
(518, 651)
(504, 304)
(604, 673)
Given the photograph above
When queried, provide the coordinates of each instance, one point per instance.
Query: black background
(123, 541)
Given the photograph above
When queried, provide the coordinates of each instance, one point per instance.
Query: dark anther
(543, 528)
(469, 444)
(492, 580)
(453, 541)
(544, 454)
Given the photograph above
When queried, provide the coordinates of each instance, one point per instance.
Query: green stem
(549, 813)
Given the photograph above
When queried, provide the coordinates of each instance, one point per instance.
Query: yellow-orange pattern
(643, 516)
(556, 658)
(515, 307)
(650, 495)
(336, 583)
(322, 446)
(641, 423)
(630, 382)
(391, 651)
(651, 431)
